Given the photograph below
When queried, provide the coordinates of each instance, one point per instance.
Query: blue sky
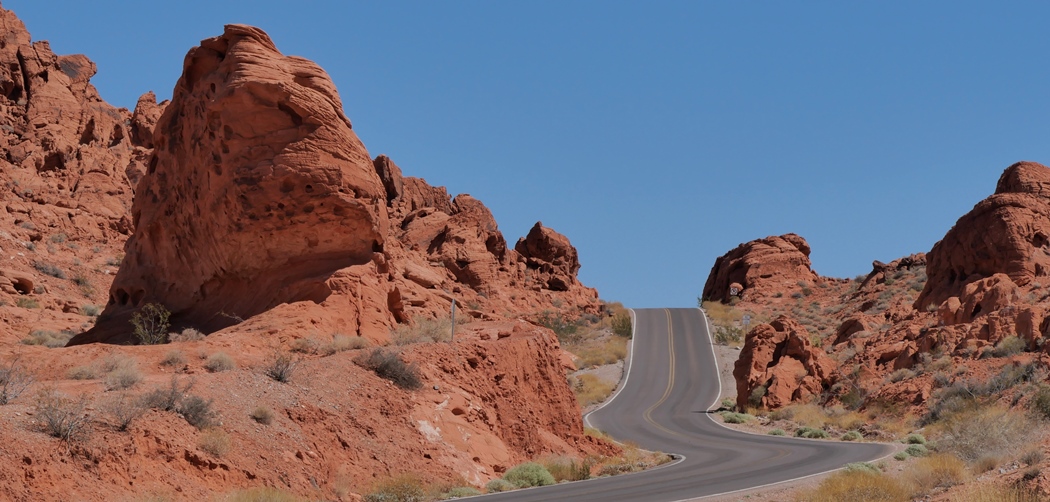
(657, 136)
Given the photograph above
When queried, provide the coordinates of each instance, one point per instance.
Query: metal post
(453, 337)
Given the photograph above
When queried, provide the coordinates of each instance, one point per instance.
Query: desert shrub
(262, 494)
(728, 335)
(198, 412)
(422, 330)
(26, 303)
(173, 358)
(915, 438)
(917, 450)
(498, 485)
(936, 471)
(167, 398)
(597, 351)
(776, 432)
(262, 414)
(859, 485)
(62, 417)
(280, 366)
(1040, 403)
(151, 324)
(728, 403)
(901, 374)
(863, 467)
(83, 372)
(91, 310)
(403, 488)
(123, 377)
(49, 269)
(755, 398)
(568, 469)
(556, 322)
(219, 361)
(982, 431)
(124, 409)
(990, 492)
(1033, 456)
(811, 433)
(985, 463)
(305, 346)
(590, 389)
(461, 491)
(47, 338)
(341, 343)
(388, 365)
(214, 441)
(901, 456)
(14, 380)
(1007, 347)
(736, 418)
(621, 324)
(186, 335)
(528, 474)
(852, 436)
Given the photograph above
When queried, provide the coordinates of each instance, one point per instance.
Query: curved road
(671, 383)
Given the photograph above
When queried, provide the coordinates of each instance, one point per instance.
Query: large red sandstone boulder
(979, 298)
(763, 267)
(1006, 233)
(550, 255)
(256, 193)
(779, 357)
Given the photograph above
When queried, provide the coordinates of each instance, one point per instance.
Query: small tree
(151, 324)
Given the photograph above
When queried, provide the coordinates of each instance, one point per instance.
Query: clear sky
(656, 135)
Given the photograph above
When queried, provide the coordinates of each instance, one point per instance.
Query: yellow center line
(670, 379)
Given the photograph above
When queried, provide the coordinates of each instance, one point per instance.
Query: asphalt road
(671, 383)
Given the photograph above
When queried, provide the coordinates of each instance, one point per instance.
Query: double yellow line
(648, 415)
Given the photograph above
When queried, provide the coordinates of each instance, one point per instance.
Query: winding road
(671, 384)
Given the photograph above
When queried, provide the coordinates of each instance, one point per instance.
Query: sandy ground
(727, 357)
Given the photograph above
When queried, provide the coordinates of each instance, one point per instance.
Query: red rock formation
(1006, 233)
(764, 267)
(258, 194)
(779, 357)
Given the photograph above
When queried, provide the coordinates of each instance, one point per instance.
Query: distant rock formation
(1006, 233)
(763, 267)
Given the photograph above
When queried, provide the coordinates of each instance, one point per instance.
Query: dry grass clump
(857, 485)
(186, 335)
(342, 343)
(407, 487)
(48, 338)
(215, 442)
(280, 366)
(632, 458)
(124, 409)
(598, 350)
(985, 431)
(219, 361)
(936, 471)
(62, 417)
(422, 330)
(173, 357)
(82, 372)
(388, 365)
(998, 493)
(590, 389)
(262, 414)
(568, 469)
(262, 494)
(122, 373)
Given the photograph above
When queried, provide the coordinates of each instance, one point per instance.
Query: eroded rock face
(1006, 233)
(551, 256)
(779, 357)
(763, 267)
(256, 192)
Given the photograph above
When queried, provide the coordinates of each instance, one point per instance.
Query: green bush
(776, 432)
(917, 450)
(725, 335)
(388, 365)
(1041, 402)
(403, 488)
(915, 438)
(461, 491)
(48, 338)
(735, 418)
(755, 399)
(901, 455)
(218, 362)
(557, 323)
(498, 485)
(621, 325)
(811, 433)
(852, 436)
(197, 411)
(151, 324)
(529, 474)
(49, 269)
(568, 469)
(1007, 347)
(863, 467)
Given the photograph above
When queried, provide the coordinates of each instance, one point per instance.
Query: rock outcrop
(763, 267)
(1006, 233)
(258, 193)
(780, 359)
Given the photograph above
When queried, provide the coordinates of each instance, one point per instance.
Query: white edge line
(719, 397)
(626, 371)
